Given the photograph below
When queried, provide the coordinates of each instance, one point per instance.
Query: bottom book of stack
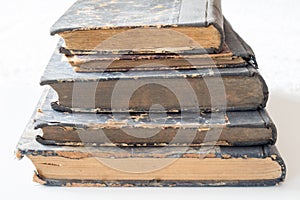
(178, 164)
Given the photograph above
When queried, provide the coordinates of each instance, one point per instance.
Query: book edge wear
(185, 13)
(46, 117)
(28, 146)
(154, 183)
(233, 42)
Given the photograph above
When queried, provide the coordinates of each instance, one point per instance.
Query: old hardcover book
(148, 129)
(208, 89)
(235, 53)
(151, 166)
(142, 26)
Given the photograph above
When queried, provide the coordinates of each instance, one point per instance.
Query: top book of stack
(142, 27)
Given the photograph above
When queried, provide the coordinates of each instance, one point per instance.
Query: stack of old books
(151, 93)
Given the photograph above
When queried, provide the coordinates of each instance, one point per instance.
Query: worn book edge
(154, 183)
(204, 13)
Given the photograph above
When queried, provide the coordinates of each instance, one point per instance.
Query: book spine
(210, 10)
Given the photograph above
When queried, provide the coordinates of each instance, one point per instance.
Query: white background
(271, 27)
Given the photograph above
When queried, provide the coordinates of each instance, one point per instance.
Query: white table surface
(271, 27)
